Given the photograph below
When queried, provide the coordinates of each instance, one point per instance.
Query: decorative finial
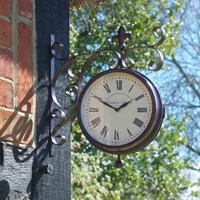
(121, 37)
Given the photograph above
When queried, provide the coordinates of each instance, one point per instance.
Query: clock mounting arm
(63, 114)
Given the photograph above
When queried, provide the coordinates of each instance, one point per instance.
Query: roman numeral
(107, 88)
(95, 122)
(131, 88)
(141, 109)
(93, 109)
(119, 84)
(139, 97)
(138, 122)
(129, 132)
(104, 131)
(116, 135)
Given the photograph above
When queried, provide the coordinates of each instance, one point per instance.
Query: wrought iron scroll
(154, 65)
(59, 116)
(64, 115)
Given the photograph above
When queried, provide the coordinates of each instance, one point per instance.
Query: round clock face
(116, 111)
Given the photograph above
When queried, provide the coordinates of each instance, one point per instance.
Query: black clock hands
(105, 103)
(123, 105)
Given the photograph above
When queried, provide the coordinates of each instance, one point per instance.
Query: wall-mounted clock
(120, 111)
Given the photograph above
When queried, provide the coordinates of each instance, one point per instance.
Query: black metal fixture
(132, 90)
(45, 169)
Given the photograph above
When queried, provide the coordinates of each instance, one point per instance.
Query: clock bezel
(149, 132)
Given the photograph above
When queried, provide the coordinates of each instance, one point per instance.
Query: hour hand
(105, 103)
(124, 104)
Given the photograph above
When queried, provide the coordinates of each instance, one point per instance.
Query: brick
(25, 68)
(6, 94)
(6, 7)
(5, 33)
(15, 128)
(25, 8)
(6, 63)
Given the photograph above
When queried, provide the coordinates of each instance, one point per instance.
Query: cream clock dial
(120, 111)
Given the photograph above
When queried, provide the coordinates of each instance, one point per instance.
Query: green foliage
(91, 28)
(155, 172)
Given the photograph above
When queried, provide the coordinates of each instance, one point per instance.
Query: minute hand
(123, 105)
(105, 103)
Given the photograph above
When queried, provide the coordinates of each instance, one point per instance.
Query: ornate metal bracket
(58, 112)
(61, 115)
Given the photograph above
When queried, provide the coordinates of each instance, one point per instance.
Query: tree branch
(185, 76)
(193, 168)
(192, 149)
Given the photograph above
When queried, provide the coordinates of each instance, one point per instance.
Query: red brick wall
(17, 64)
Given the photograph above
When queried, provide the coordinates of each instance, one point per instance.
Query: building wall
(17, 97)
(25, 28)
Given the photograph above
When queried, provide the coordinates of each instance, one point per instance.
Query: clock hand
(105, 103)
(123, 105)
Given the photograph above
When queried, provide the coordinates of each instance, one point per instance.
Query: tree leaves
(152, 173)
(155, 172)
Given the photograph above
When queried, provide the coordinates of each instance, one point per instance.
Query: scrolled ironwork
(73, 89)
(154, 65)
(63, 119)
(160, 36)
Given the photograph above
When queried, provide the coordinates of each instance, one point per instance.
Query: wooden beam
(52, 17)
